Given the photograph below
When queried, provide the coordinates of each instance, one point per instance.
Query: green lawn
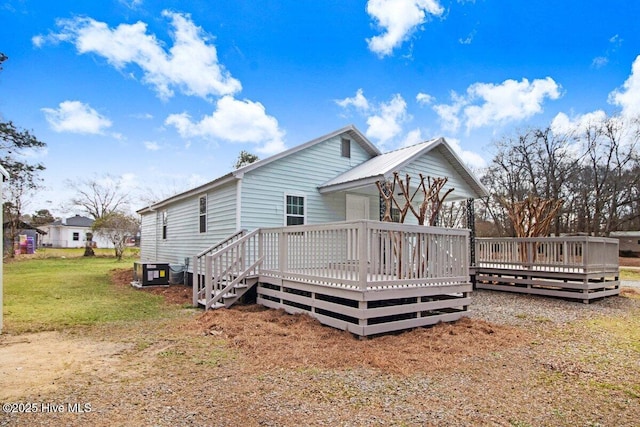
(629, 274)
(45, 293)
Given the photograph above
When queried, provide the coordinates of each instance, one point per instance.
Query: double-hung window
(203, 214)
(294, 210)
(164, 225)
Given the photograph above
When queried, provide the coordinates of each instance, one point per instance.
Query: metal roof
(383, 166)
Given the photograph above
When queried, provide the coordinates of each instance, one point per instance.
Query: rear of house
(314, 242)
(328, 179)
(280, 190)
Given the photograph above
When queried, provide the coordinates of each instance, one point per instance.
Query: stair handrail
(233, 283)
(198, 271)
(209, 259)
(221, 243)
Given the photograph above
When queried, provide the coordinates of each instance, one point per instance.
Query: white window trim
(165, 221)
(304, 205)
(205, 214)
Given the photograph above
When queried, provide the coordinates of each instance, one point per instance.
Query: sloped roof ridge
(425, 142)
(238, 173)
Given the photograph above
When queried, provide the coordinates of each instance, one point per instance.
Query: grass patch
(129, 252)
(624, 332)
(46, 293)
(629, 274)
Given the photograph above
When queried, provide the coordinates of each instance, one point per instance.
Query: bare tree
(100, 197)
(117, 227)
(590, 168)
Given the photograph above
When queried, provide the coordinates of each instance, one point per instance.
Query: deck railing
(366, 255)
(579, 254)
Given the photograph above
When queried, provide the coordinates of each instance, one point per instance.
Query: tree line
(592, 168)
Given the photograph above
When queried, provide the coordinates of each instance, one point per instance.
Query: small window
(76, 237)
(346, 148)
(164, 225)
(639, 242)
(203, 214)
(395, 214)
(295, 210)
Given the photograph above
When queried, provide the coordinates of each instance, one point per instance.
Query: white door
(357, 207)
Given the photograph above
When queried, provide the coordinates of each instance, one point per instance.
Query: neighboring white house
(71, 233)
(331, 178)
(4, 175)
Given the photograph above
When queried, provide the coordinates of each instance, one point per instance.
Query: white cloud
(38, 41)
(450, 114)
(599, 61)
(487, 104)
(131, 4)
(128, 181)
(628, 97)
(470, 158)
(468, 39)
(358, 101)
(614, 44)
(424, 98)
(384, 120)
(562, 124)
(398, 19)
(142, 116)
(386, 125)
(76, 117)
(151, 145)
(413, 137)
(190, 65)
(234, 121)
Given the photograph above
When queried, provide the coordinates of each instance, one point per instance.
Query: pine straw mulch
(172, 294)
(298, 341)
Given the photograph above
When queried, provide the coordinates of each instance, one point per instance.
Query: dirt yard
(518, 361)
(629, 262)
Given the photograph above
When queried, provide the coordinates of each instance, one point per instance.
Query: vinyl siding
(148, 236)
(435, 165)
(264, 189)
(183, 226)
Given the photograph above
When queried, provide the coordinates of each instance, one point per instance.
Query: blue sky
(164, 96)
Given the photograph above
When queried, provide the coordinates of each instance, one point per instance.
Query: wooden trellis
(426, 210)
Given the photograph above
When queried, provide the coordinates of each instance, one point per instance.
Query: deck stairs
(225, 272)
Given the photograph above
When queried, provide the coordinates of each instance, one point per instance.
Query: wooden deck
(583, 267)
(366, 277)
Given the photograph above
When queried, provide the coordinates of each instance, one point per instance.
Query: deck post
(208, 280)
(363, 234)
(195, 281)
(282, 251)
(471, 225)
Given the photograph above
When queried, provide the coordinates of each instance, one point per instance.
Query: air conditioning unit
(150, 274)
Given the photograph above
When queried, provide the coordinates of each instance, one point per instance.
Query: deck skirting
(574, 285)
(368, 312)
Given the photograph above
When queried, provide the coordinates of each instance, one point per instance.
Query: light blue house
(329, 180)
